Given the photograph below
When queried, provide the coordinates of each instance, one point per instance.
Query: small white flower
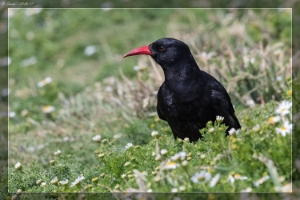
(286, 128)
(44, 82)
(274, 120)
(54, 180)
(19, 191)
(123, 176)
(127, 164)
(284, 107)
(164, 151)
(48, 109)
(232, 131)
(97, 138)
(18, 165)
(153, 153)
(214, 180)
(158, 157)
(128, 145)
(182, 188)
(136, 68)
(57, 153)
(186, 139)
(202, 176)
(80, 178)
(261, 180)
(154, 133)
(181, 155)
(65, 182)
(184, 163)
(239, 177)
(171, 165)
(231, 179)
(219, 118)
(90, 50)
(211, 130)
(287, 188)
(174, 190)
(43, 184)
(256, 128)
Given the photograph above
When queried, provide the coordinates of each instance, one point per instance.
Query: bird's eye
(162, 48)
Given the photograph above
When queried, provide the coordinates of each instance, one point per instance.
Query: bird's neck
(181, 73)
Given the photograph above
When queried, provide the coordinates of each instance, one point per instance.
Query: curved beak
(144, 50)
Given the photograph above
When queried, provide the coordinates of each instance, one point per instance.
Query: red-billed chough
(189, 97)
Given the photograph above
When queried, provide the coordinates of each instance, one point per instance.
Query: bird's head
(164, 51)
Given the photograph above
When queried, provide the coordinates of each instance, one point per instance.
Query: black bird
(189, 97)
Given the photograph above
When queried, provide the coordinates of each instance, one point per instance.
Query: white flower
(286, 128)
(261, 180)
(65, 182)
(90, 50)
(43, 184)
(174, 190)
(182, 188)
(181, 155)
(54, 180)
(171, 165)
(232, 131)
(154, 133)
(284, 107)
(127, 164)
(44, 82)
(231, 179)
(164, 151)
(184, 163)
(219, 118)
(236, 177)
(214, 180)
(97, 138)
(202, 176)
(256, 128)
(123, 176)
(274, 120)
(128, 145)
(239, 177)
(18, 165)
(158, 157)
(48, 109)
(80, 178)
(57, 153)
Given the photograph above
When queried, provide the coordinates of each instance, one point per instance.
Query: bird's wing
(222, 106)
(160, 104)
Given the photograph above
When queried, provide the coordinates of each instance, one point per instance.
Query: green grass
(103, 95)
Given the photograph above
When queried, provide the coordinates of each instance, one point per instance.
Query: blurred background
(68, 81)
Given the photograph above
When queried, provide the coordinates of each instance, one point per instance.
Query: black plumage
(189, 97)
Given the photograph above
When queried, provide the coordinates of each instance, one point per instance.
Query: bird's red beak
(144, 50)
